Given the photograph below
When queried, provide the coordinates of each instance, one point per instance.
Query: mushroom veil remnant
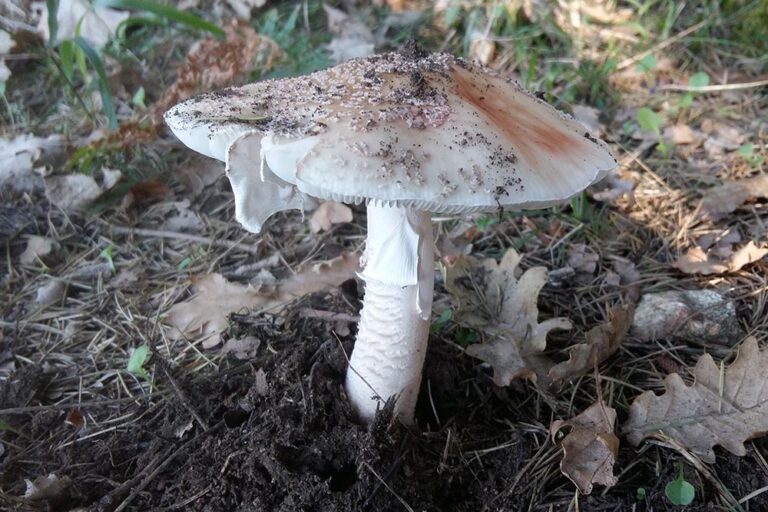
(406, 133)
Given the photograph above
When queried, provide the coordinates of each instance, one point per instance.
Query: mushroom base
(389, 352)
(388, 357)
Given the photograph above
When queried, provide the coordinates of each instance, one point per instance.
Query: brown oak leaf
(724, 406)
(517, 336)
(205, 314)
(601, 343)
(696, 261)
(590, 448)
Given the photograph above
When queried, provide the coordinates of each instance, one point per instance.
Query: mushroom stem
(394, 324)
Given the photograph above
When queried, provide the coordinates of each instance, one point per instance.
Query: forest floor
(110, 227)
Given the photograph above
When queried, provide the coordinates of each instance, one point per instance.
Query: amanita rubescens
(406, 133)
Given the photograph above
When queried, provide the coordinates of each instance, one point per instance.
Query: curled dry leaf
(327, 214)
(205, 314)
(110, 177)
(582, 258)
(213, 63)
(724, 406)
(244, 8)
(601, 343)
(482, 48)
(72, 192)
(612, 189)
(721, 137)
(721, 200)
(37, 247)
(55, 287)
(590, 448)
(589, 117)
(681, 134)
(125, 278)
(178, 216)
(518, 337)
(143, 192)
(242, 348)
(696, 261)
(49, 487)
(198, 174)
(22, 155)
(50, 292)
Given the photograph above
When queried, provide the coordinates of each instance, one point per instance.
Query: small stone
(699, 316)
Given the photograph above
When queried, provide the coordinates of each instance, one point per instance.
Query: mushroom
(406, 133)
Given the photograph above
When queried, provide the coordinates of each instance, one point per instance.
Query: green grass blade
(98, 66)
(164, 11)
(53, 23)
(67, 56)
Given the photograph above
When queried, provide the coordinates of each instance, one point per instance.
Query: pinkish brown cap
(428, 131)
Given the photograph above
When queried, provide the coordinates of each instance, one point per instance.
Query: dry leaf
(724, 406)
(590, 449)
(518, 337)
(723, 136)
(75, 418)
(49, 487)
(110, 177)
(601, 343)
(612, 188)
(177, 216)
(482, 49)
(582, 258)
(242, 348)
(626, 270)
(205, 314)
(72, 192)
(327, 214)
(243, 8)
(681, 134)
(213, 63)
(50, 292)
(54, 289)
(125, 277)
(589, 117)
(146, 191)
(721, 200)
(21, 155)
(696, 261)
(198, 174)
(37, 247)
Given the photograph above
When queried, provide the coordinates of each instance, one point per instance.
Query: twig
(183, 504)
(387, 487)
(156, 233)
(87, 403)
(328, 316)
(177, 390)
(631, 60)
(713, 88)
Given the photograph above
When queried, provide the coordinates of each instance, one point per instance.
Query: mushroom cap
(427, 131)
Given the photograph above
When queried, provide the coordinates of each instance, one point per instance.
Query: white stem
(394, 323)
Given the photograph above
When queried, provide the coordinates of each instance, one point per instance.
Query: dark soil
(276, 434)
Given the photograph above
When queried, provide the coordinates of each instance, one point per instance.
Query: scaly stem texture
(394, 324)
